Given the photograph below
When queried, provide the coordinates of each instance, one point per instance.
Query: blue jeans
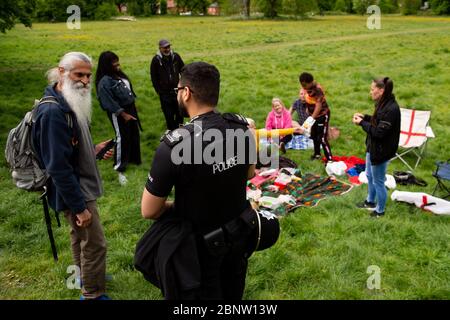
(376, 174)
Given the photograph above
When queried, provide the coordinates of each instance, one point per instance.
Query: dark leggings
(286, 139)
(127, 149)
(319, 135)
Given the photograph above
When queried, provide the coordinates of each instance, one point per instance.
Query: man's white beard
(79, 99)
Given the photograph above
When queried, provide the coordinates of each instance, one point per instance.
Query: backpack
(24, 162)
(405, 178)
(21, 155)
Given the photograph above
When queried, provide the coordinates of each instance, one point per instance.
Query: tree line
(26, 11)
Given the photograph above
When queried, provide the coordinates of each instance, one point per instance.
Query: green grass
(323, 252)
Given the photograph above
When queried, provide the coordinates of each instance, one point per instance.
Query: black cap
(266, 231)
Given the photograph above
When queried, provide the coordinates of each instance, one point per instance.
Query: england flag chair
(414, 133)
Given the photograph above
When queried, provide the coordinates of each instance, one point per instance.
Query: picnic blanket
(312, 188)
(306, 190)
(300, 142)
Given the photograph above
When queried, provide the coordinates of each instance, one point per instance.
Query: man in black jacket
(164, 72)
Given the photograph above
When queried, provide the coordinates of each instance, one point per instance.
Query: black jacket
(382, 139)
(167, 256)
(165, 72)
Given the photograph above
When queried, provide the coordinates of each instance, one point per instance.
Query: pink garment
(258, 180)
(282, 121)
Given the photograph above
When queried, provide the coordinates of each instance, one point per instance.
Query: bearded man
(62, 139)
(165, 72)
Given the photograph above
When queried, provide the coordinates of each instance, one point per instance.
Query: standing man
(62, 139)
(209, 195)
(164, 72)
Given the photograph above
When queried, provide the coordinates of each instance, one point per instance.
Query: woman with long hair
(279, 118)
(383, 133)
(116, 96)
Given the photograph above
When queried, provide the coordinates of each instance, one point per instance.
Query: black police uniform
(209, 196)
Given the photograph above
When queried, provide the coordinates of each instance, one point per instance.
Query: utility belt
(258, 230)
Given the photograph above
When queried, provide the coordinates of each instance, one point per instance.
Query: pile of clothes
(280, 191)
(352, 166)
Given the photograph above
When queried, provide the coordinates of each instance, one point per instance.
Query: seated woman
(280, 118)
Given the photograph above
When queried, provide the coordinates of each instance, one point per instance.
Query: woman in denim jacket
(116, 96)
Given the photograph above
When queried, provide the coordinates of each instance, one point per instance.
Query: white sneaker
(122, 179)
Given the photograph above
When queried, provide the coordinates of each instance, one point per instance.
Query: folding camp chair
(442, 173)
(414, 133)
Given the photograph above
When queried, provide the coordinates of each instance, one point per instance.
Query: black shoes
(375, 214)
(316, 157)
(371, 207)
(367, 205)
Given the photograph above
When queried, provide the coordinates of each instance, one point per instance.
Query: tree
(163, 7)
(299, 7)
(270, 7)
(440, 6)
(197, 6)
(153, 6)
(326, 5)
(12, 10)
(247, 8)
(388, 6)
(340, 6)
(360, 6)
(410, 6)
(349, 6)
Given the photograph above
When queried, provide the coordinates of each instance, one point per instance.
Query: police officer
(209, 194)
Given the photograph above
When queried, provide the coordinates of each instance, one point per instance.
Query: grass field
(323, 252)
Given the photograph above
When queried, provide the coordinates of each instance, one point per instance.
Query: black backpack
(405, 178)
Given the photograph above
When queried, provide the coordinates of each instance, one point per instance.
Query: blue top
(56, 145)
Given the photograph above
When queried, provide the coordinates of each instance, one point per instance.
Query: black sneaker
(316, 157)
(367, 205)
(376, 214)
